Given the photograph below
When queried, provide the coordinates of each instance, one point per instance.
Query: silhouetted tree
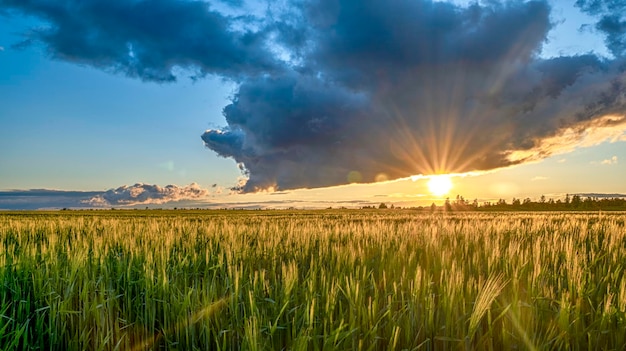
(460, 201)
(576, 201)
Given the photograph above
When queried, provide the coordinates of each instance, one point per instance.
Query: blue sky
(68, 126)
(71, 125)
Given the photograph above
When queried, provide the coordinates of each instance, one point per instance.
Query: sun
(440, 185)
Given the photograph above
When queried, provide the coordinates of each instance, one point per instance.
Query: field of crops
(317, 280)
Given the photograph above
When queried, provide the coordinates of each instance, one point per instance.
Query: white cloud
(609, 161)
(611, 128)
(539, 178)
(147, 194)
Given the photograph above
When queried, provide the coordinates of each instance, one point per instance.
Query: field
(312, 280)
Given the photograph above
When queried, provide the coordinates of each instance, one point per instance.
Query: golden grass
(317, 280)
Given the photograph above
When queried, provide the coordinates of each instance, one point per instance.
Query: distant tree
(576, 201)
(382, 205)
(447, 205)
(433, 207)
(542, 199)
(459, 200)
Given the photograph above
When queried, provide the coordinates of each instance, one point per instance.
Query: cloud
(612, 22)
(538, 178)
(336, 91)
(602, 195)
(582, 134)
(147, 194)
(33, 199)
(146, 39)
(138, 194)
(416, 87)
(610, 161)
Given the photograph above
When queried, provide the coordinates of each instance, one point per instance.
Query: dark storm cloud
(338, 91)
(297, 129)
(363, 40)
(147, 39)
(388, 90)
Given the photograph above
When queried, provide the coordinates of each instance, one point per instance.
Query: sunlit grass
(260, 280)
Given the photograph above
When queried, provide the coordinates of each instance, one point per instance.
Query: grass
(317, 280)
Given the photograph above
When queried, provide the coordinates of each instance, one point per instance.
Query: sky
(308, 103)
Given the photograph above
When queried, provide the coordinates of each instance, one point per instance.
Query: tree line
(571, 202)
(575, 202)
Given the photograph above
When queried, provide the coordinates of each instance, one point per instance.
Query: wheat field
(312, 280)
